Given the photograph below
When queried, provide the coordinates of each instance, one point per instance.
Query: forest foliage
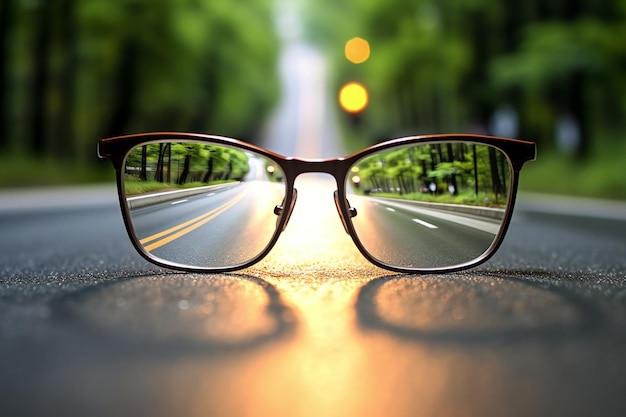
(72, 71)
(555, 68)
(180, 163)
(453, 172)
(550, 71)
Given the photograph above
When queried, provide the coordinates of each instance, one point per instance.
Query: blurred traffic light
(353, 97)
(357, 50)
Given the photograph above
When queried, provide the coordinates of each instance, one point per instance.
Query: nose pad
(280, 210)
(351, 211)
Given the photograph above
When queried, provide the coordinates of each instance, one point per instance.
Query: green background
(74, 71)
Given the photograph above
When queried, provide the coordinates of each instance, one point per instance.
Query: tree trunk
(169, 163)
(183, 176)
(209, 172)
(63, 141)
(41, 79)
(475, 169)
(159, 168)
(496, 181)
(452, 176)
(144, 157)
(6, 18)
(125, 87)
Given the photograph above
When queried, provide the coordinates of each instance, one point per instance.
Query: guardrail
(489, 212)
(166, 196)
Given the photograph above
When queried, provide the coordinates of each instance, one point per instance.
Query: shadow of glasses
(475, 308)
(224, 312)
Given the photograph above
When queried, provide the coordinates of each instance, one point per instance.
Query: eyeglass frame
(117, 148)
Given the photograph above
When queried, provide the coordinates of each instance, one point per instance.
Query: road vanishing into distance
(87, 327)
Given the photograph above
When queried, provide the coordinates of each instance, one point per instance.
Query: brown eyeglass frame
(117, 148)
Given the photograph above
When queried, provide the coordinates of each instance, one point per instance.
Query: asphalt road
(408, 235)
(87, 327)
(223, 228)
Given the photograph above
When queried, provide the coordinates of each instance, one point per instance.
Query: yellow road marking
(175, 232)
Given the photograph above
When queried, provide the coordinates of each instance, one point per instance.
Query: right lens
(430, 205)
(200, 204)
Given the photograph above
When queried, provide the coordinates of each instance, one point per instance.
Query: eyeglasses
(421, 204)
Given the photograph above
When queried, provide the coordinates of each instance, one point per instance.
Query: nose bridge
(334, 167)
(337, 168)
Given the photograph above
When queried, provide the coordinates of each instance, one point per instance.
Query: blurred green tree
(73, 71)
(449, 65)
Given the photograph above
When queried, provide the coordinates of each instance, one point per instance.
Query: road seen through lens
(219, 229)
(403, 234)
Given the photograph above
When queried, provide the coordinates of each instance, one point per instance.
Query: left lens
(430, 205)
(199, 204)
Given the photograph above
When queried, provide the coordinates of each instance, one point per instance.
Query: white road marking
(487, 225)
(425, 224)
(418, 221)
(210, 194)
(178, 202)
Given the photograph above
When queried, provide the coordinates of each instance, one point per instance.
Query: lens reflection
(200, 204)
(429, 205)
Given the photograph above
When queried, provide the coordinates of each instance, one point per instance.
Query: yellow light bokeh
(353, 97)
(357, 50)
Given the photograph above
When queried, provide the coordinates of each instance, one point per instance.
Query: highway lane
(221, 228)
(405, 235)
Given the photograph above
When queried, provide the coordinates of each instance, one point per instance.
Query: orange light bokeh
(357, 50)
(353, 97)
